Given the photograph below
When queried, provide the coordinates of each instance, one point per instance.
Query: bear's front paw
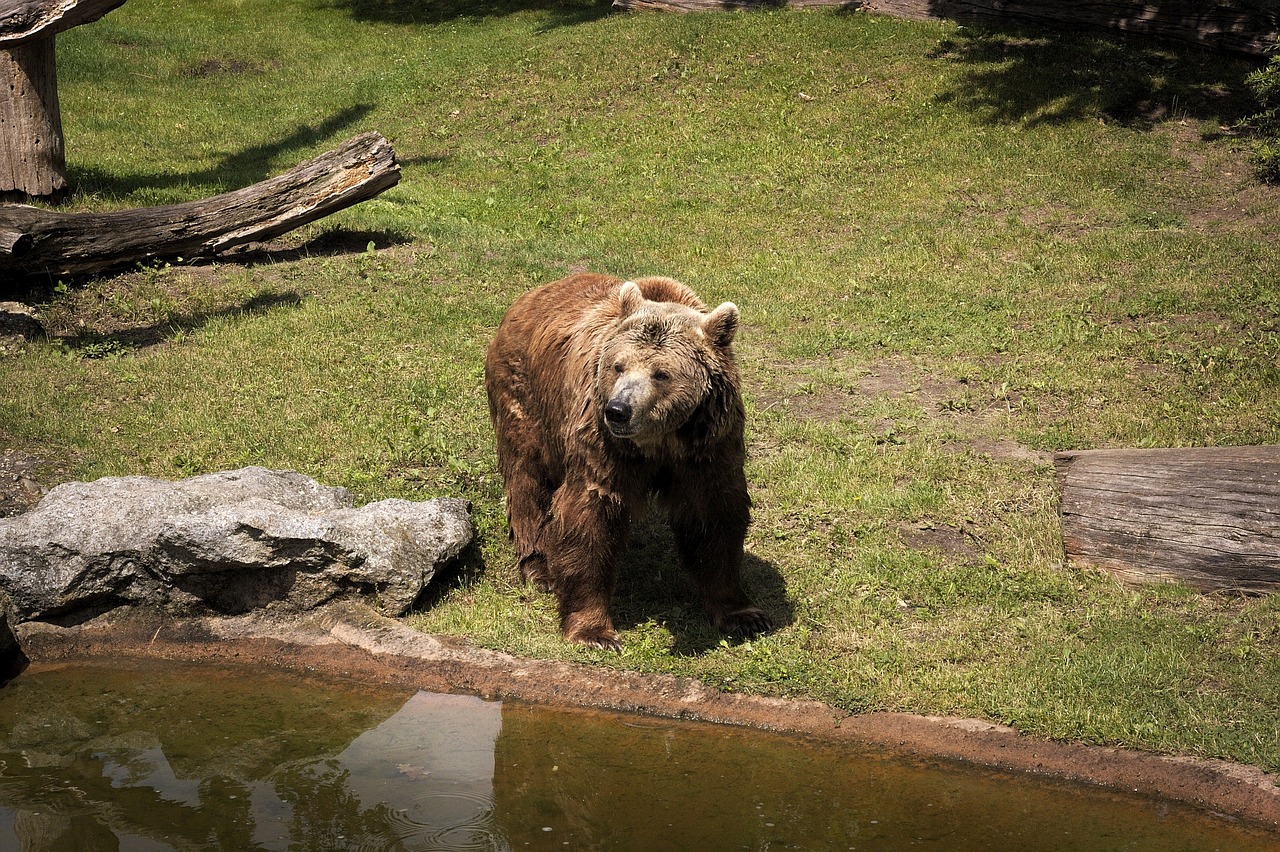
(745, 622)
(603, 637)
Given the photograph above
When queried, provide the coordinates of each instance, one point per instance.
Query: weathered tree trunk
(53, 244)
(31, 157)
(14, 244)
(32, 164)
(25, 19)
(1237, 26)
(1208, 516)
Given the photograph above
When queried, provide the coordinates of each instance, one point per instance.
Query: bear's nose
(617, 412)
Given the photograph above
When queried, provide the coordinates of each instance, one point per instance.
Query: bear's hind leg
(709, 534)
(528, 508)
(527, 484)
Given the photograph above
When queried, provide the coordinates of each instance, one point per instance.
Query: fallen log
(45, 242)
(14, 243)
(1208, 516)
(1249, 27)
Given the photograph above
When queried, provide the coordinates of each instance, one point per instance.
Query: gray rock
(227, 542)
(12, 658)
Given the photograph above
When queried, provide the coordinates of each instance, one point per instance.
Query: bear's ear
(721, 324)
(629, 299)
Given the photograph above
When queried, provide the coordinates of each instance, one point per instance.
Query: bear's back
(587, 292)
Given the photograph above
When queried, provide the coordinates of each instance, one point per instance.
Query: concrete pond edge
(351, 641)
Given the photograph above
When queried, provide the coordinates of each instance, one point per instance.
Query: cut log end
(1209, 517)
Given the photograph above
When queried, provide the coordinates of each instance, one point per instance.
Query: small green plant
(1265, 84)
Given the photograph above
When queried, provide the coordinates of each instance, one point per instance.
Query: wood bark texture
(1208, 516)
(68, 244)
(23, 20)
(32, 162)
(1237, 26)
(14, 243)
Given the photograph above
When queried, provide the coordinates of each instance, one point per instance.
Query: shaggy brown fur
(604, 392)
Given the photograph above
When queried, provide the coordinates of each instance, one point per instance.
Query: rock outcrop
(12, 658)
(225, 542)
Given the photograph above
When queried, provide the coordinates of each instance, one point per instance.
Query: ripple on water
(456, 820)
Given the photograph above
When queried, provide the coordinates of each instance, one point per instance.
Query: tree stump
(34, 241)
(1208, 516)
(32, 162)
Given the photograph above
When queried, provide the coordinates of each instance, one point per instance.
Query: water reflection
(145, 757)
(432, 764)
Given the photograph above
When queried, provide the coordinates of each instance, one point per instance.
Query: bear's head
(662, 362)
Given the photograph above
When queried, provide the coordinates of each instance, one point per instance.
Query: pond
(150, 755)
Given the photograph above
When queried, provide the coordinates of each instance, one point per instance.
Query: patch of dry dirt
(21, 478)
(833, 388)
(351, 642)
(1232, 196)
(945, 538)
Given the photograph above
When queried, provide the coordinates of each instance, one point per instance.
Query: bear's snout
(617, 412)
(624, 413)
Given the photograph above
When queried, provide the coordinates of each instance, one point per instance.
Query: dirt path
(352, 642)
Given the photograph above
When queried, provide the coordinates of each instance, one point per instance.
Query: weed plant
(955, 252)
(1265, 125)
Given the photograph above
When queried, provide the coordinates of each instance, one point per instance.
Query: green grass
(955, 252)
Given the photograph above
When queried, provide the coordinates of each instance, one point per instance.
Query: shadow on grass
(653, 587)
(331, 243)
(563, 12)
(101, 345)
(1033, 77)
(233, 171)
(461, 572)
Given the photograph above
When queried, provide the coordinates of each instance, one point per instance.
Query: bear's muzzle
(620, 411)
(618, 415)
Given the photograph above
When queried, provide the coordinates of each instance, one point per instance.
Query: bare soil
(20, 482)
(351, 642)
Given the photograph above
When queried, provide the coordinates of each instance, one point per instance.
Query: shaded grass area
(955, 251)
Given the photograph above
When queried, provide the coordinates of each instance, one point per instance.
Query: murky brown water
(160, 756)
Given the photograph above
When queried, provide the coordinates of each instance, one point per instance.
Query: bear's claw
(533, 568)
(605, 645)
(745, 622)
(604, 639)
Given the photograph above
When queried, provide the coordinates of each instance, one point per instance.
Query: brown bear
(603, 393)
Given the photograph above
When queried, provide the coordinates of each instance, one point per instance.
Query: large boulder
(225, 542)
(12, 658)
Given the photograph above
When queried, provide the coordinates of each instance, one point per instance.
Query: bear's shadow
(653, 587)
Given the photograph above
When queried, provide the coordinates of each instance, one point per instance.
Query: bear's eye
(661, 375)
(618, 368)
